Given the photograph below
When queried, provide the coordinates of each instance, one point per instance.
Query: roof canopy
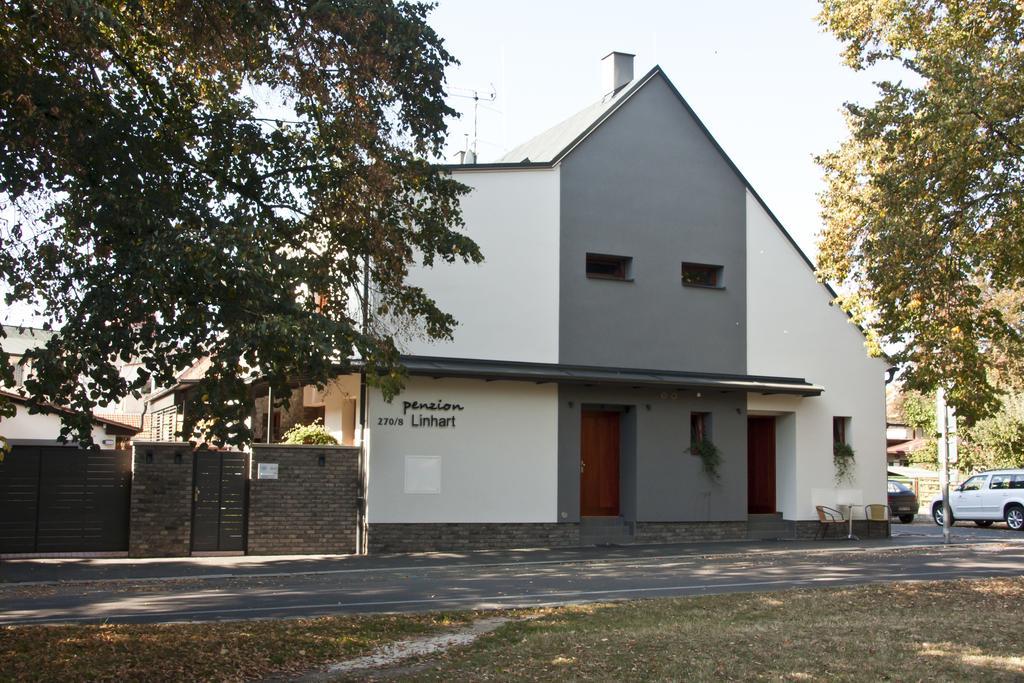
(543, 373)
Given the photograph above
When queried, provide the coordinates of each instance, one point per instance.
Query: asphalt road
(923, 527)
(500, 585)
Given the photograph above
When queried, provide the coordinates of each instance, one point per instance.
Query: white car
(985, 498)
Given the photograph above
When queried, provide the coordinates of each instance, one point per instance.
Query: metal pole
(362, 547)
(942, 415)
(270, 410)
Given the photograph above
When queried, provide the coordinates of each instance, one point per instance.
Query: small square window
(607, 267)
(700, 427)
(702, 275)
(840, 426)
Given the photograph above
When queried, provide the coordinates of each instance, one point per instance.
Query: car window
(1000, 481)
(899, 487)
(1018, 481)
(974, 483)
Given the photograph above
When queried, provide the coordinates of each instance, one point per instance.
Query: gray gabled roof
(555, 141)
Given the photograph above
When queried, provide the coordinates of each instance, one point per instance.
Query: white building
(636, 295)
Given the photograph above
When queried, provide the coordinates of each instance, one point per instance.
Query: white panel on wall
(506, 306)
(497, 442)
(794, 331)
(423, 474)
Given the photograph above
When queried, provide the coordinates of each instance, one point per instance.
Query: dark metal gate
(64, 499)
(219, 501)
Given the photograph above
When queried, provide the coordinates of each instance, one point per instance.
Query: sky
(761, 74)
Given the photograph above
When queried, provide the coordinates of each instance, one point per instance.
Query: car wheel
(1015, 517)
(937, 515)
(907, 519)
(983, 523)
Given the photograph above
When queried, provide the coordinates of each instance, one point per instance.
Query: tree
(922, 205)
(997, 441)
(187, 178)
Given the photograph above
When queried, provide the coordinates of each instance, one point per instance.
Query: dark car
(902, 501)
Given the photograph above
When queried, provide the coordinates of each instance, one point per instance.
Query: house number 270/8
(390, 421)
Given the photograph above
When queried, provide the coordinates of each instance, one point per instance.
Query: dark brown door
(219, 501)
(599, 464)
(760, 465)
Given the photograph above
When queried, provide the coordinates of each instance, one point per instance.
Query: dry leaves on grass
(219, 651)
(858, 633)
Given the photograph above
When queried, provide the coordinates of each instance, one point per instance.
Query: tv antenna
(477, 97)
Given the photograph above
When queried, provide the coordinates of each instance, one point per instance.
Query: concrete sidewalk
(66, 570)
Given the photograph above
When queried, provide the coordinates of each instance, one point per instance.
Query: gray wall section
(649, 184)
(660, 480)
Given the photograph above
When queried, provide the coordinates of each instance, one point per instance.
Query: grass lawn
(224, 651)
(957, 630)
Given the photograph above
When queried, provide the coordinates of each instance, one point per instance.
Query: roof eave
(543, 373)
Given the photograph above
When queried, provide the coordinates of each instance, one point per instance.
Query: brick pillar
(161, 504)
(311, 507)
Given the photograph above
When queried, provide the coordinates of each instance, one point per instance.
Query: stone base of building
(430, 537)
(427, 537)
(689, 532)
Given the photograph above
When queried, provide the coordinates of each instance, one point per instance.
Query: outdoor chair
(827, 518)
(878, 513)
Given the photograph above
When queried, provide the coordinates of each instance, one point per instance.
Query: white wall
(498, 463)
(793, 331)
(43, 427)
(507, 306)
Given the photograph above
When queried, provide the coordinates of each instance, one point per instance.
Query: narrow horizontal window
(607, 267)
(702, 275)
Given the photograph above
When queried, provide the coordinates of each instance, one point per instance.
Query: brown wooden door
(599, 464)
(760, 465)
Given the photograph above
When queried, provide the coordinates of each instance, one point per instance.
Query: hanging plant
(710, 457)
(842, 458)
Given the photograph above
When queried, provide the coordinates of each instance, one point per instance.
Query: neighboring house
(18, 341)
(164, 408)
(900, 441)
(129, 409)
(899, 446)
(43, 427)
(335, 406)
(636, 295)
(114, 423)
